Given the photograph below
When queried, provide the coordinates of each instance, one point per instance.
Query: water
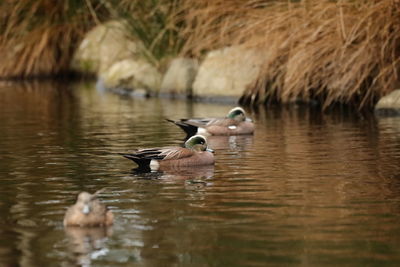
(307, 189)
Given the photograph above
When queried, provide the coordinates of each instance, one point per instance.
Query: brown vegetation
(38, 37)
(332, 51)
(156, 23)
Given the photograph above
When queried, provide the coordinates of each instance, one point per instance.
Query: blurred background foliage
(38, 37)
(334, 51)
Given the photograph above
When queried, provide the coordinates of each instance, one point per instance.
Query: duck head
(237, 114)
(84, 202)
(198, 143)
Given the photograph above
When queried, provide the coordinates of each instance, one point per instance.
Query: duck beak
(210, 150)
(86, 209)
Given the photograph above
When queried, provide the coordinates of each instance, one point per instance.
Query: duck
(88, 211)
(235, 123)
(194, 153)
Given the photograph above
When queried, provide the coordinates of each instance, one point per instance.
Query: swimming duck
(88, 211)
(195, 153)
(235, 123)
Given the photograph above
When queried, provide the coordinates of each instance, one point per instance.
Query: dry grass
(332, 51)
(38, 37)
(154, 23)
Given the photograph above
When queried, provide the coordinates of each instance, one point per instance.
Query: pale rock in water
(132, 74)
(104, 45)
(389, 104)
(179, 76)
(228, 72)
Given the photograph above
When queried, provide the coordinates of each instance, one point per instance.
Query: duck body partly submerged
(235, 123)
(88, 211)
(195, 153)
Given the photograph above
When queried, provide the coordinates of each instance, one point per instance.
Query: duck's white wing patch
(232, 127)
(154, 165)
(202, 131)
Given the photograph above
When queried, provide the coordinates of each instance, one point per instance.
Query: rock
(227, 72)
(103, 46)
(118, 61)
(389, 104)
(131, 74)
(180, 76)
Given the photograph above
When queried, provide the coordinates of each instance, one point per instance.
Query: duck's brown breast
(197, 159)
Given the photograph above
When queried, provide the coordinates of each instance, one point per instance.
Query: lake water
(309, 188)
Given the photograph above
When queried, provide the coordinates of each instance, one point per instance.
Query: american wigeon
(235, 123)
(195, 153)
(88, 211)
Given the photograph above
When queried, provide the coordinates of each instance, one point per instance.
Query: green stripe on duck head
(197, 143)
(237, 114)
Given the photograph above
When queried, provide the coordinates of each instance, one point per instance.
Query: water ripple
(306, 189)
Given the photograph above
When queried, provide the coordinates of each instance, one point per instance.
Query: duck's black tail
(189, 129)
(143, 163)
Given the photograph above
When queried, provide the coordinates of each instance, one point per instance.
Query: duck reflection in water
(87, 243)
(189, 174)
(232, 143)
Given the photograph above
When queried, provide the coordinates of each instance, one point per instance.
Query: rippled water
(306, 189)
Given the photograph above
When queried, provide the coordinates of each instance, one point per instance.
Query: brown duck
(195, 153)
(235, 123)
(88, 211)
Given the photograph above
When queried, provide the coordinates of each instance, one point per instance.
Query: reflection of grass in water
(38, 37)
(346, 51)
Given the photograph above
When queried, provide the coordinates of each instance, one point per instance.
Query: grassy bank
(332, 51)
(38, 37)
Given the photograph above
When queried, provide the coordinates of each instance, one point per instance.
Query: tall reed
(156, 23)
(38, 37)
(332, 51)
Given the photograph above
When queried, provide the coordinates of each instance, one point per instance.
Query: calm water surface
(307, 189)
